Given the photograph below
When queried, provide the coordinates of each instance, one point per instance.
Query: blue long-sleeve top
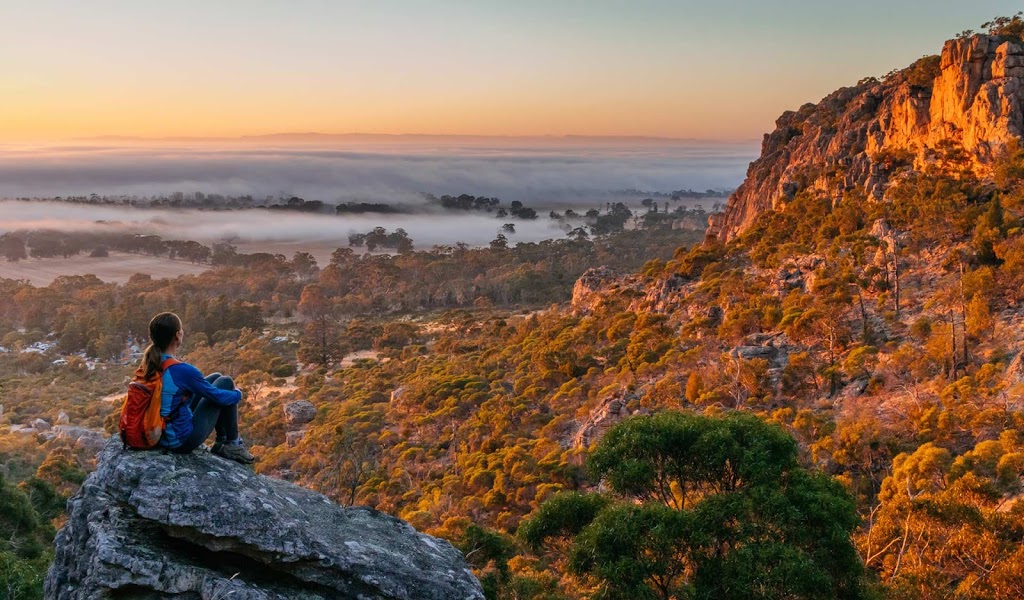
(180, 384)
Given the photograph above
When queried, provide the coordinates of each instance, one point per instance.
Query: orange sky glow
(650, 67)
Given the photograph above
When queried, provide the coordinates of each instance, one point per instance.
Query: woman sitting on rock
(193, 406)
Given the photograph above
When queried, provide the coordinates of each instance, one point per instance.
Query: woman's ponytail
(162, 330)
(151, 361)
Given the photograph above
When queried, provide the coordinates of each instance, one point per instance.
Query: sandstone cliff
(146, 525)
(966, 100)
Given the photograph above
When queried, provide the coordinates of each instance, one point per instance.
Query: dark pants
(208, 416)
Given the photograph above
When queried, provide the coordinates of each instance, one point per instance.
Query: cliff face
(968, 99)
(146, 525)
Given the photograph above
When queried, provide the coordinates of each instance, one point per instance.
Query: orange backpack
(141, 424)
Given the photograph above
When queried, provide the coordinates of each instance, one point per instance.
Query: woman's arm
(195, 383)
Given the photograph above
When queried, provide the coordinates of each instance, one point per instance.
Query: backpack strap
(185, 394)
(169, 362)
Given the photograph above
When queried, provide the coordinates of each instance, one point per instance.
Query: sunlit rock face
(591, 288)
(967, 102)
(148, 525)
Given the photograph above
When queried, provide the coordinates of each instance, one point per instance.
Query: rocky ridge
(967, 100)
(148, 525)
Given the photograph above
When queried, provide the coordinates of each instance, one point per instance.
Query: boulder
(796, 274)
(148, 525)
(751, 352)
(773, 347)
(292, 438)
(299, 413)
(63, 418)
(40, 424)
(81, 437)
(852, 390)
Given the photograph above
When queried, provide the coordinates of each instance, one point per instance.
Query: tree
(304, 265)
(693, 387)
(949, 527)
(320, 342)
(980, 322)
(1006, 26)
(488, 552)
(704, 507)
(342, 256)
(989, 232)
(356, 454)
(13, 247)
(223, 254)
(500, 242)
(254, 382)
(579, 234)
(832, 302)
(23, 553)
(378, 236)
(400, 240)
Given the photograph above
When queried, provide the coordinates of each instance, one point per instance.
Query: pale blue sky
(721, 69)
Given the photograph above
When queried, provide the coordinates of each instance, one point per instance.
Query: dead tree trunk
(963, 314)
(952, 343)
(896, 275)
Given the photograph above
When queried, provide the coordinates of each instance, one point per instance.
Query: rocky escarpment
(966, 101)
(147, 525)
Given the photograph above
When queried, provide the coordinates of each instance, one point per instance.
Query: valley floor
(116, 268)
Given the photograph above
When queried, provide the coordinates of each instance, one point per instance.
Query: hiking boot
(236, 452)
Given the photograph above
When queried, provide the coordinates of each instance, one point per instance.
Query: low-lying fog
(544, 174)
(535, 171)
(258, 225)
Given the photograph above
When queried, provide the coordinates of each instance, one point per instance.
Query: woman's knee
(225, 383)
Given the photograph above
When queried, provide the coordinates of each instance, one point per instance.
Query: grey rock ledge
(148, 525)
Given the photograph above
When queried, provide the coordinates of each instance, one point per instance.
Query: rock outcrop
(147, 525)
(968, 100)
(81, 437)
(299, 413)
(600, 285)
(589, 290)
(610, 412)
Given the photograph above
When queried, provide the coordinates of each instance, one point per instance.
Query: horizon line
(317, 135)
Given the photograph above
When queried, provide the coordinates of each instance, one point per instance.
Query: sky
(718, 70)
